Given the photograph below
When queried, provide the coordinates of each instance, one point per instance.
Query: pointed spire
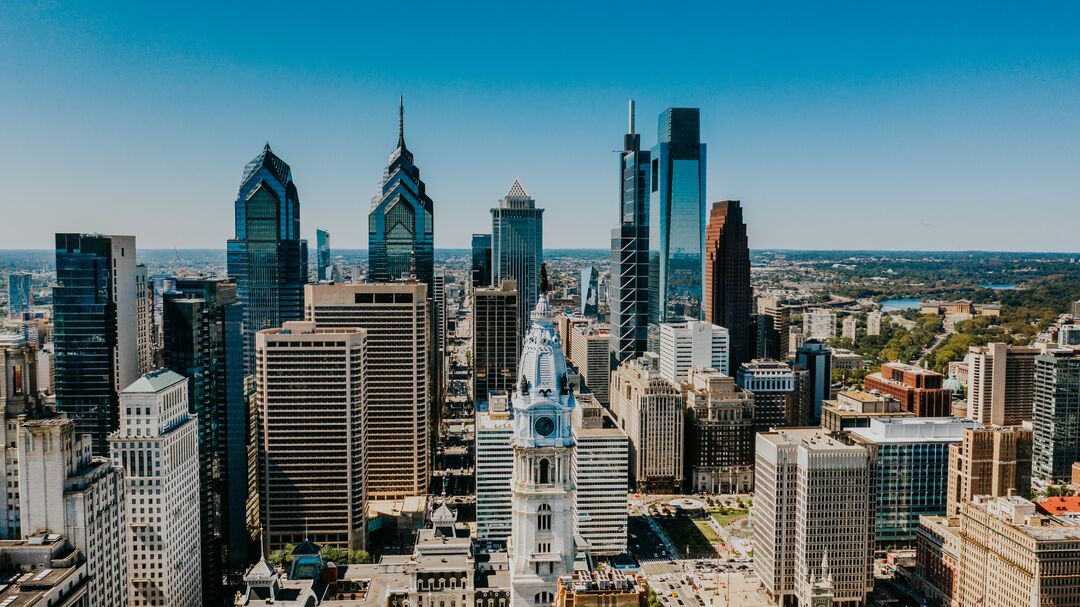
(401, 121)
(266, 148)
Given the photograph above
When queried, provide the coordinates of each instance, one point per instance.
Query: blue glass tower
(677, 217)
(267, 259)
(628, 295)
(481, 260)
(400, 223)
(322, 254)
(517, 247)
(20, 295)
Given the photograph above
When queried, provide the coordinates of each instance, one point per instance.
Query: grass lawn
(730, 517)
(707, 531)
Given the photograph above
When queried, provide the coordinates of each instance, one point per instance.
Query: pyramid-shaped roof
(517, 190)
(153, 382)
(277, 167)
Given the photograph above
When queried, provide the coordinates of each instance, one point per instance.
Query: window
(543, 519)
(545, 472)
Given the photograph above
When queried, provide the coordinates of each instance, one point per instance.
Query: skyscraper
(1056, 414)
(589, 291)
(267, 259)
(719, 433)
(677, 217)
(481, 260)
(649, 409)
(494, 339)
(774, 320)
(400, 223)
(95, 312)
(991, 460)
(589, 353)
(517, 247)
(817, 359)
(20, 295)
(1001, 383)
(628, 302)
(692, 344)
(322, 254)
(728, 297)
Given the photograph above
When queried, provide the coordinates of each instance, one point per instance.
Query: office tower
(937, 558)
(401, 220)
(628, 297)
(589, 292)
(399, 411)
(600, 472)
(677, 218)
(773, 387)
(796, 339)
(494, 467)
(437, 295)
(95, 320)
(774, 320)
(517, 248)
(813, 496)
(991, 460)
(20, 293)
(495, 339)
(204, 341)
(819, 324)
(1001, 383)
(267, 259)
(719, 433)
(848, 327)
(18, 397)
(919, 390)
(156, 446)
(481, 261)
(313, 434)
(856, 409)
(1010, 555)
(873, 323)
(729, 300)
(910, 471)
(566, 323)
(592, 358)
(692, 343)
(1057, 414)
(817, 359)
(649, 409)
(145, 332)
(66, 489)
(322, 255)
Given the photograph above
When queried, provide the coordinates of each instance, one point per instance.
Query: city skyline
(818, 126)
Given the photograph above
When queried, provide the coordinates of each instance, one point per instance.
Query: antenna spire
(401, 121)
(631, 116)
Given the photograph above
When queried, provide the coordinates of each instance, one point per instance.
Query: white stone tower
(542, 540)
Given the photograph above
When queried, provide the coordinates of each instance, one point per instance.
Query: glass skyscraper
(20, 295)
(589, 292)
(401, 232)
(517, 248)
(628, 297)
(322, 254)
(481, 260)
(677, 217)
(267, 259)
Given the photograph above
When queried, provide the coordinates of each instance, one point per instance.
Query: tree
(282, 556)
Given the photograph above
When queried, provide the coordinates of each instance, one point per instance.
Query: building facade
(517, 248)
(1001, 383)
(919, 390)
(817, 360)
(989, 460)
(20, 293)
(1056, 414)
(729, 300)
(719, 433)
(494, 339)
(774, 323)
(775, 391)
(322, 255)
(693, 343)
(649, 409)
(589, 353)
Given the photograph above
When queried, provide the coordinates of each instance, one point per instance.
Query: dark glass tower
(728, 296)
(628, 295)
(322, 254)
(267, 259)
(677, 217)
(517, 248)
(400, 222)
(203, 340)
(481, 260)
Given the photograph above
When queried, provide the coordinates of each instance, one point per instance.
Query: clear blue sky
(839, 125)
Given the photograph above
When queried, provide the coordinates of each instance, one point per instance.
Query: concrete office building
(937, 559)
(989, 460)
(43, 570)
(157, 446)
(813, 496)
(591, 356)
(18, 397)
(796, 339)
(1001, 383)
(919, 390)
(692, 343)
(855, 409)
(494, 467)
(819, 324)
(65, 489)
(311, 386)
(494, 339)
(774, 324)
(565, 323)
(399, 412)
(649, 409)
(846, 360)
(775, 391)
(719, 433)
(1056, 414)
(911, 464)
(145, 331)
(600, 472)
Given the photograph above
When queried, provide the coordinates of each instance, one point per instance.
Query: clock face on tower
(544, 426)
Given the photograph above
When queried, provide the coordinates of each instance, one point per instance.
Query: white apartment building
(157, 446)
(692, 344)
(873, 323)
(600, 472)
(848, 327)
(819, 324)
(648, 408)
(494, 468)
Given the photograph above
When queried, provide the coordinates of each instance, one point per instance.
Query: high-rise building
(481, 261)
(401, 230)
(96, 330)
(857, 409)
(20, 293)
(773, 387)
(589, 292)
(204, 341)
(517, 247)
(719, 433)
(677, 217)
(400, 416)
(313, 434)
(628, 297)
(819, 324)
(322, 255)
(591, 356)
(937, 558)
(911, 462)
(19, 397)
(439, 338)
(1057, 414)
(1010, 555)
(1001, 383)
(796, 339)
(494, 339)
(813, 500)
(567, 324)
(991, 460)
(774, 320)
(267, 259)
(919, 390)
(63, 487)
(848, 327)
(599, 471)
(156, 445)
(44, 570)
(692, 343)
(729, 300)
(817, 359)
(145, 332)
(649, 409)
(873, 323)
(494, 467)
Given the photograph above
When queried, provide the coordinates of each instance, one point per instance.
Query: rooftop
(154, 382)
(915, 430)
(810, 438)
(1059, 505)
